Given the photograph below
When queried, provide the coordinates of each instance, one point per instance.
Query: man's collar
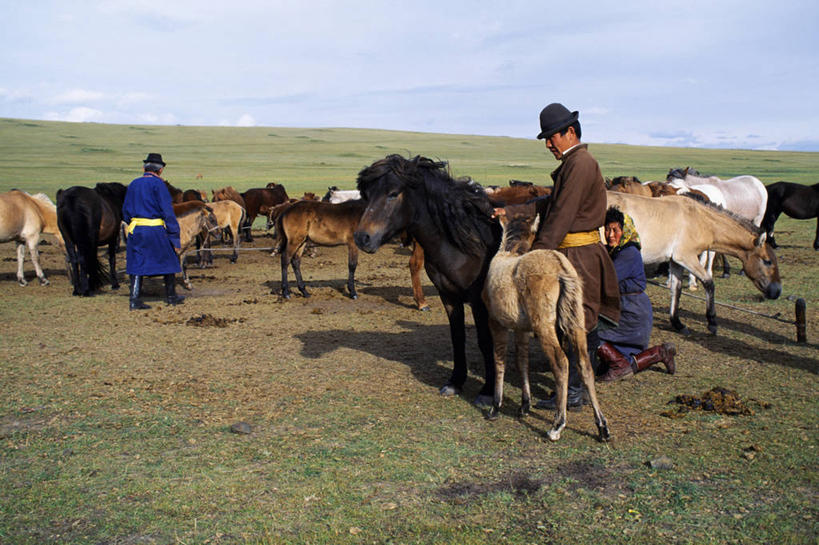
(571, 149)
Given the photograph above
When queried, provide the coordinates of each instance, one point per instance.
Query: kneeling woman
(624, 347)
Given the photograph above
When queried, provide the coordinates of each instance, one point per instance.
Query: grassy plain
(115, 425)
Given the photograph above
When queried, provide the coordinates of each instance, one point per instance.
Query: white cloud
(80, 114)
(77, 96)
(246, 121)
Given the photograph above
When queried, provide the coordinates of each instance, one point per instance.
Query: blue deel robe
(150, 249)
(633, 332)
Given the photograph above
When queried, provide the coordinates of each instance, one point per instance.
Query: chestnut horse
(798, 201)
(89, 218)
(537, 292)
(323, 224)
(677, 229)
(22, 218)
(452, 220)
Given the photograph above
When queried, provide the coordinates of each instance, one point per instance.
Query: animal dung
(719, 400)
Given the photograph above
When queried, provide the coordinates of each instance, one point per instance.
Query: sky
(715, 74)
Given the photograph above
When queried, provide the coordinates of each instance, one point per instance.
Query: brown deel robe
(578, 203)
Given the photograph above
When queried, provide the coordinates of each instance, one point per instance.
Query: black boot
(170, 291)
(135, 303)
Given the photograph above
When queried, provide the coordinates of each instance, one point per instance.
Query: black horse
(89, 218)
(798, 201)
(451, 220)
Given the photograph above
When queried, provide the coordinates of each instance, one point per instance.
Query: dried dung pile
(719, 400)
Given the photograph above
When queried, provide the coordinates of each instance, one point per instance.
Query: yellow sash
(581, 238)
(150, 222)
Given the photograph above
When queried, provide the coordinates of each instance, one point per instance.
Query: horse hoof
(354, 297)
(449, 391)
(22, 282)
(483, 400)
(684, 331)
(524, 410)
(604, 434)
(553, 435)
(306, 294)
(712, 329)
(493, 413)
(726, 275)
(424, 308)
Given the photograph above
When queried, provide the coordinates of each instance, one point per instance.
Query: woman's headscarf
(630, 235)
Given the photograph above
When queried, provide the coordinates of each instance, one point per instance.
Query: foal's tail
(570, 316)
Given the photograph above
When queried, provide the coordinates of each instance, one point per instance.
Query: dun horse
(537, 292)
(323, 224)
(195, 218)
(452, 220)
(678, 229)
(22, 218)
(89, 218)
(229, 217)
(798, 201)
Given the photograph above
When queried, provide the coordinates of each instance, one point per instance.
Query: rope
(771, 316)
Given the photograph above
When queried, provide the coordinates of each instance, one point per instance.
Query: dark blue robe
(633, 332)
(150, 249)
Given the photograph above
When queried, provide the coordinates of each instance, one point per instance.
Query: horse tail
(570, 316)
(282, 236)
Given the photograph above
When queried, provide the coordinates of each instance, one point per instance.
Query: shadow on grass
(733, 347)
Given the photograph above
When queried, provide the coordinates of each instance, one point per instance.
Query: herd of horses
(470, 257)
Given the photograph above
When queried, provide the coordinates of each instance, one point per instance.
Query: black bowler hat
(555, 117)
(154, 158)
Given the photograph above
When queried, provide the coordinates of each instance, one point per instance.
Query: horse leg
(522, 359)
(112, 262)
(21, 256)
(816, 239)
(295, 261)
(559, 364)
(285, 261)
(480, 315)
(352, 263)
(499, 339)
(768, 221)
(416, 264)
(587, 375)
(455, 313)
(675, 273)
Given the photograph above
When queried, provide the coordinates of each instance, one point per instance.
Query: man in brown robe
(571, 220)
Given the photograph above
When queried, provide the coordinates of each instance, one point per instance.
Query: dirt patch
(518, 484)
(718, 400)
(30, 420)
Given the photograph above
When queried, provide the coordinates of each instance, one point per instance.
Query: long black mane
(458, 207)
(744, 222)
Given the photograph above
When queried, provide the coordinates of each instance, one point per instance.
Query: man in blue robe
(153, 233)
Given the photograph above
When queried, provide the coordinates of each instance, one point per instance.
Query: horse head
(383, 187)
(761, 267)
(519, 232)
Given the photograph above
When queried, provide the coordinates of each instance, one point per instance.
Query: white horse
(745, 195)
(335, 195)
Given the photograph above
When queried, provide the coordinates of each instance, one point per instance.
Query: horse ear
(536, 223)
(761, 240)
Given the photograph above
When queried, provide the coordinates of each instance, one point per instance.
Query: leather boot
(134, 302)
(170, 290)
(619, 366)
(663, 353)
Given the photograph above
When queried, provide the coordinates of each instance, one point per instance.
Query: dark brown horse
(194, 195)
(798, 201)
(323, 224)
(177, 195)
(451, 219)
(260, 200)
(89, 218)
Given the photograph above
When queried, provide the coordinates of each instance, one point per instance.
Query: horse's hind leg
(675, 277)
(21, 256)
(559, 364)
(816, 239)
(112, 262)
(499, 338)
(295, 261)
(352, 263)
(587, 375)
(522, 359)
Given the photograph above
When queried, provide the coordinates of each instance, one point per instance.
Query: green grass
(115, 427)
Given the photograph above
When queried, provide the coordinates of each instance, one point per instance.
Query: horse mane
(114, 191)
(43, 198)
(187, 208)
(745, 222)
(458, 207)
